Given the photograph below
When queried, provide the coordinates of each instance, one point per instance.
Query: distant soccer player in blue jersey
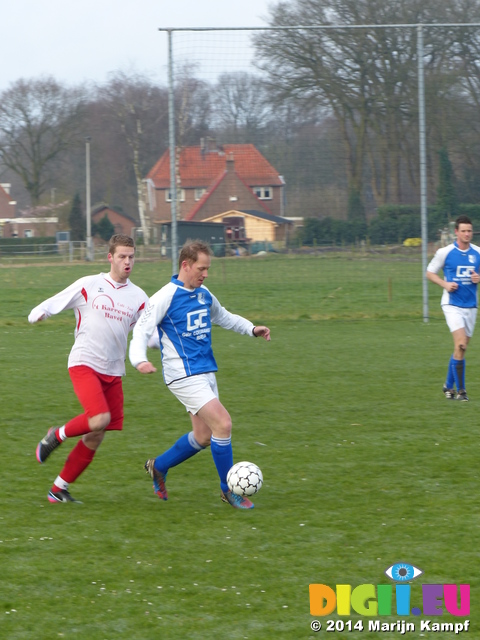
(460, 262)
(180, 316)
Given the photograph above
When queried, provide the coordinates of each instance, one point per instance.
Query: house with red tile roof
(212, 179)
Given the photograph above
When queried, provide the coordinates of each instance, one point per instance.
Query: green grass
(364, 463)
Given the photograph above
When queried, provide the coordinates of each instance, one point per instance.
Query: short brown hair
(462, 220)
(191, 249)
(120, 240)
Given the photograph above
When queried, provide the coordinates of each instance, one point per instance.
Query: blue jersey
(183, 319)
(458, 266)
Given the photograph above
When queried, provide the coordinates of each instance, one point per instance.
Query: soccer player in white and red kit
(106, 307)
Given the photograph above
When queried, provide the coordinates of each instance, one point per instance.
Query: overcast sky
(86, 40)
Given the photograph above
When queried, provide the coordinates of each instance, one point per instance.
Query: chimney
(230, 162)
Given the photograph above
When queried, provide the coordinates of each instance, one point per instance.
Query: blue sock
(184, 448)
(450, 381)
(223, 458)
(458, 367)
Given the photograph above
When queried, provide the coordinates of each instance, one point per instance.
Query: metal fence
(64, 252)
(208, 57)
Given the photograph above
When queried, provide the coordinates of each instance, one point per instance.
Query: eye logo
(403, 572)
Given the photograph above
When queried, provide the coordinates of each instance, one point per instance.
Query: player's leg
(183, 449)
(448, 387)
(192, 393)
(461, 341)
(214, 415)
(459, 363)
(98, 397)
(89, 391)
(460, 322)
(217, 419)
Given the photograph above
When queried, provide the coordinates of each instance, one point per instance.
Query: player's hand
(262, 332)
(32, 318)
(475, 277)
(451, 286)
(146, 367)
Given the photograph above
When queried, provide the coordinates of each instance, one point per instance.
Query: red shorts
(99, 393)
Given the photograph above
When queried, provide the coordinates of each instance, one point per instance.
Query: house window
(199, 193)
(180, 195)
(263, 193)
(28, 233)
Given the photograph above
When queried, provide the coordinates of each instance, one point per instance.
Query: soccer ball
(244, 479)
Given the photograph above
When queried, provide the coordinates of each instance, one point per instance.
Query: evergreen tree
(356, 208)
(104, 229)
(446, 195)
(76, 220)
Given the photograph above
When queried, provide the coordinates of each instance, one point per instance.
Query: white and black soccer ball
(244, 479)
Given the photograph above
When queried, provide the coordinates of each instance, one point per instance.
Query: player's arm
(69, 298)
(219, 315)
(436, 279)
(144, 330)
(436, 264)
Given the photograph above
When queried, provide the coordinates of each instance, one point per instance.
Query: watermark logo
(403, 572)
(371, 600)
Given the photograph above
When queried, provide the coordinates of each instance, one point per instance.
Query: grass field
(365, 463)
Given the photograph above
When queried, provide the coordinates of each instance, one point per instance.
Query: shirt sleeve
(438, 260)
(219, 315)
(141, 308)
(146, 327)
(69, 298)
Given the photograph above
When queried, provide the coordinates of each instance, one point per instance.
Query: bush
(10, 246)
(328, 231)
(412, 242)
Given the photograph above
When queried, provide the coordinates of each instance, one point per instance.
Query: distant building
(122, 222)
(13, 226)
(253, 226)
(215, 179)
(211, 232)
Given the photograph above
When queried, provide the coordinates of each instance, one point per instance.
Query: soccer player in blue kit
(460, 262)
(180, 316)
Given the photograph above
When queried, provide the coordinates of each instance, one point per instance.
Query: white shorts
(460, 318)
(195, 391)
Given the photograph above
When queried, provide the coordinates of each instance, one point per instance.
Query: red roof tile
(199, 169)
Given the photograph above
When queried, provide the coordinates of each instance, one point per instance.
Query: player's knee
(99, 422)
(93, 439)
(225, 428)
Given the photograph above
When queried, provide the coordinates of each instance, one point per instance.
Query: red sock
(78, 460)
(77, 426)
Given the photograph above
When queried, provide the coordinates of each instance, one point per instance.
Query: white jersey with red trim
(105, 312)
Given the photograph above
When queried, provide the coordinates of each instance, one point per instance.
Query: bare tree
(193, 112)
(367, 78)
(136, 107)
(241, 107)
(37, 125)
